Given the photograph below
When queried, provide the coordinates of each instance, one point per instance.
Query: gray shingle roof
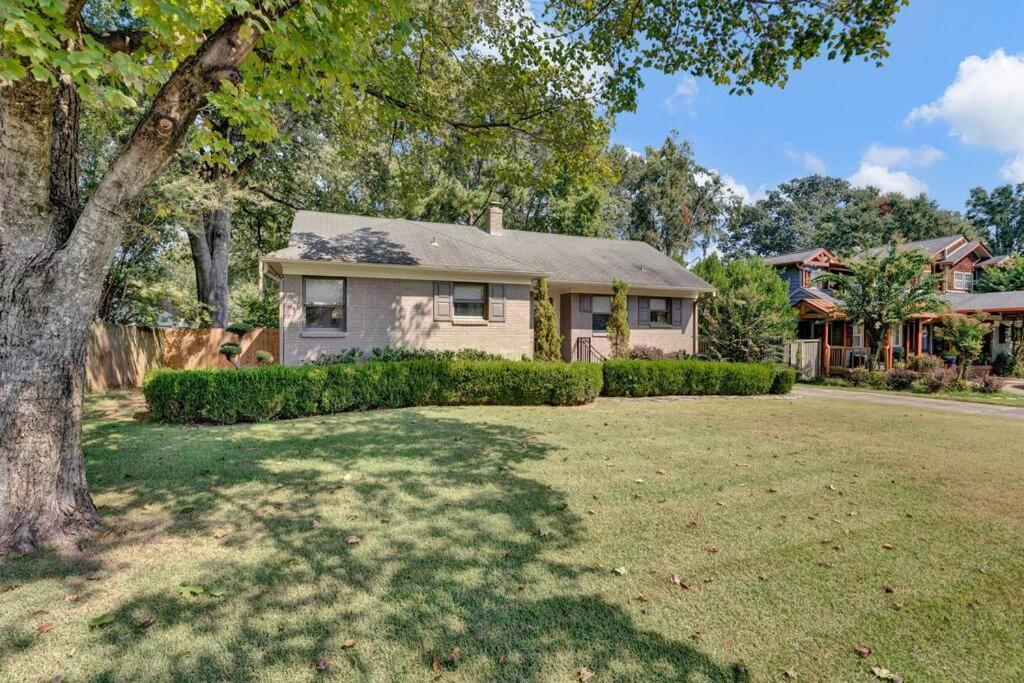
(803, 293)
(963, 250)
(927, 247)
(988, 301)
(401, 242)
(996, 260)
(792, 257)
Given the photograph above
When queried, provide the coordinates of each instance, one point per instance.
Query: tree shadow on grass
(462, 570)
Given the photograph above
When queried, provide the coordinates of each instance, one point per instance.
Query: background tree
(749, 316)
(181, 65)
(965, 335)
(885, 290)
(618, 320)
(999, 217)
(545, 325)
(1008, 278)
(667, 199)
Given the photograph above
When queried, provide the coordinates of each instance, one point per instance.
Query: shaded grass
(496, 530)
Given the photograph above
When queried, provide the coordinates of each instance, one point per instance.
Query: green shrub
(862, 377)
(900, 378)
(687, 378)
(989, 384)
(272, 392)
(785, 378)
(1005, 365)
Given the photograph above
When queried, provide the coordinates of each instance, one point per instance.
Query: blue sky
(968, 129)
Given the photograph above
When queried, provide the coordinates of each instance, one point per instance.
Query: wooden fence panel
(118, 356)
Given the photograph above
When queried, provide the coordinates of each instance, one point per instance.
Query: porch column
(825, 336)
(888, 349)
(920, 341)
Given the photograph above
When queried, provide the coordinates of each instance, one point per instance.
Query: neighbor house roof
(989, 301)
(929, 247)
(401, 242)
(1000, 260)
(963, 250)
(793, 257)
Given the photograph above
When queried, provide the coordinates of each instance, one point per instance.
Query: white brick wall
(399, 313)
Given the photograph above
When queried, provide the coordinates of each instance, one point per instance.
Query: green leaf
(191, 590)
(102, 620)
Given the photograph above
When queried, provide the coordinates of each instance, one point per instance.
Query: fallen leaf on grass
(348, 643)
(790, 674)
(221, 533)
(217, 592)
(102, 620)
(712, 548)
(888, 546)
(148, 622)
(44, 627)
(585, 674)
(863, 650)
(323, 665)
(543, 532)
(621, 571)
(884, 674)
(71, 598)
(191, 590)
(352, 540)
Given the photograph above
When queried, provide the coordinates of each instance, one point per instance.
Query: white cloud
(888, 180)
(683, 97)
(984, 106)
(732, 186)
(810, 160)
(880, 164)
(902, 157)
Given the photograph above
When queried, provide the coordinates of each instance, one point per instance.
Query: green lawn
(805, 528)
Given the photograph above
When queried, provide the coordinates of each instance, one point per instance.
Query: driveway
(909, 401)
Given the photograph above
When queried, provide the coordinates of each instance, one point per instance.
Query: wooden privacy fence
(118, 356)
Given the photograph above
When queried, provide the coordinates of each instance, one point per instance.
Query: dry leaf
(436, 665)
(790, 674)
(44, 627)
(621, 571)
(884, 674)
(543, 532)
(348, 643)
(453, 658)
(888, 546)
(712, 548)
(585, 674)
(352, 540)
(863, 650)
(71, 598)
(323, 665)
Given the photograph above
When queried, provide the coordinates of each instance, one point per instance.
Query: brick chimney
(494, 218)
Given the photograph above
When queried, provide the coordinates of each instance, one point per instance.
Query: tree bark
(210, 244)
(53, 259)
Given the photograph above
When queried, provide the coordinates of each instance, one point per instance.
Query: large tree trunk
(53, 259)
(210, 244)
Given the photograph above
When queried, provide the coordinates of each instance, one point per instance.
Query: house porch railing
(583, 350)
(842, 359)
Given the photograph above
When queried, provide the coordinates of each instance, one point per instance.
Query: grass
(494, 533)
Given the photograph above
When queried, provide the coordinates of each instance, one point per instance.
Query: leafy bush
(271, 392)
(923, 363)
(862, 377)
(648, 352)
(687, 378)
(900, 378)
(264, 356)
(241, 329)
(1005, 365)
(934, 380)
(785, 378)
(989, 384)
(957, 384)
(346, 357)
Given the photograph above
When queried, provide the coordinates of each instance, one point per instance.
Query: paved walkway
(910, 401)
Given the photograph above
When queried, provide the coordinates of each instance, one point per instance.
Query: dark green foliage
(618, 321)
(545, 324)
(273, 392)
(264, 356)
(1005, 365)
(785, 378)
(999, 217)
(1008, 278)
(241, 329)
(230, 349)
(749, 316)
(688, 378)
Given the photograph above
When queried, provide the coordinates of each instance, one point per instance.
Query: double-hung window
(897, 335)
(857, 335)
(659, 312)
(601, 309)
(963, 282)
(470, 300)
(324, 302)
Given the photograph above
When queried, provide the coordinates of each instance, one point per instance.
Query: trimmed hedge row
(694, 378)
(266, 393)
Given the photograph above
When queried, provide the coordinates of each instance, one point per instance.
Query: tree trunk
(210, 244)
(53, 259)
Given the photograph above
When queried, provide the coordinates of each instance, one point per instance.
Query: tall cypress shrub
(618, 321)
(545, 327)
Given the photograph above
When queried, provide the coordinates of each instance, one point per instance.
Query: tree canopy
(999, 217)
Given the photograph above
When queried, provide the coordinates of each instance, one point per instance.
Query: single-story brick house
(363, 282)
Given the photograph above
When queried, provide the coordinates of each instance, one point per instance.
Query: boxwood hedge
(693, 378)
(265, 393)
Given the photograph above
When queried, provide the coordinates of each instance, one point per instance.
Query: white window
(324, 301)
(963, 282)
(897, 335)
(857, 335)
(601, 308)
(659, 312)
(470, 300)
